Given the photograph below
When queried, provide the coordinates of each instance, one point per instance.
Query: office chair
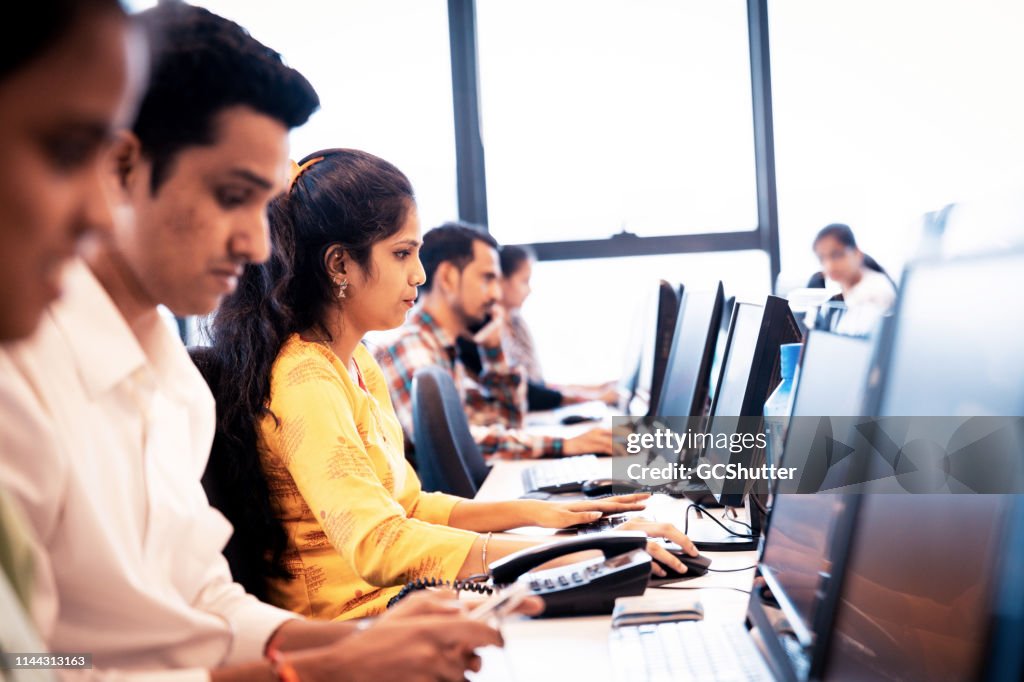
(448, 457)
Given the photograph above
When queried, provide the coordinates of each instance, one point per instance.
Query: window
(384, 77)
(584, 312)
(886, 110)
(608, 115)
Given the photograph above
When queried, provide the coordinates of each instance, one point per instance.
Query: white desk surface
(577, 648)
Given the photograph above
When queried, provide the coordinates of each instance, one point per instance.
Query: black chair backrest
(449, 459)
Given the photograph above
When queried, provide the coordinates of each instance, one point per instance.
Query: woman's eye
(402, 255)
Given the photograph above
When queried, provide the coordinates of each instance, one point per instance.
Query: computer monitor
(716, 363)
(913, 590)
(957, 330)
(688, 372)
(750, 372)
(1004, 657)
(828, 398)
(656, 349)
(786, 603)
(952, 351)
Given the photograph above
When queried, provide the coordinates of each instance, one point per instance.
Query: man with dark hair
(108, 425)
(462, 291)
(184, 108)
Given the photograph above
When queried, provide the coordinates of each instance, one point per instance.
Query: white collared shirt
(104, 436)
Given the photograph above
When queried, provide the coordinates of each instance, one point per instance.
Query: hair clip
(298, 170)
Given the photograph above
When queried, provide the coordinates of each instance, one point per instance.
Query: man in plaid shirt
(462, 289)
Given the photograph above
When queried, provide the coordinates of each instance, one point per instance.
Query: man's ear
(335, 261)
(447, 276)
(124, 159)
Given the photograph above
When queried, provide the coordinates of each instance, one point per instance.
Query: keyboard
(601, 525)
(688, 650)
(565, 475)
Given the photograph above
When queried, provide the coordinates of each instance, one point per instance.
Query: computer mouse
(696, 566)
(578, 419)
(599, 487)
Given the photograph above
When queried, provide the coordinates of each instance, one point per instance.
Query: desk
(547, 419)
(577, 648)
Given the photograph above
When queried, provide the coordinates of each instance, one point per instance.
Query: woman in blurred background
(862, 280)
(517, 341)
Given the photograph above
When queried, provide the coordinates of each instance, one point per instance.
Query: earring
(342, 285)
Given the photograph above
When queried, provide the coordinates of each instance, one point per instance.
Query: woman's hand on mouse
(564, 514)
(657, 551)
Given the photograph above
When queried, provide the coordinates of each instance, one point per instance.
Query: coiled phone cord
(471, 584)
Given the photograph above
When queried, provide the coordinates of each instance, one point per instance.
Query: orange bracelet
(283, 670)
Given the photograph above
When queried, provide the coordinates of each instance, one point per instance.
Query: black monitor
(914, 586)
(930, 584)
(688, 373)
(786, 604)
(656, 349)
(750, 372)
(826, 401)
(716, 363)
(1004, 656)
(957, 329)
(951, 351)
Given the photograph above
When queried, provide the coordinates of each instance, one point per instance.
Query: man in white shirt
(106, 425)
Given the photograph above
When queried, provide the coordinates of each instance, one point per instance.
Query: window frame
(472, 184)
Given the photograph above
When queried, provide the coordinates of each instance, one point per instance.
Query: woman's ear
(335, 261)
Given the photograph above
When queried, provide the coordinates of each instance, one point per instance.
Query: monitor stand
(713, 538)
(694, 489)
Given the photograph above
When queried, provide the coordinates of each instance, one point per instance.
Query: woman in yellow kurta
(340, 481)
(350, 523)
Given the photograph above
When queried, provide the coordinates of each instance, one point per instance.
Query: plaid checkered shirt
(495, 401)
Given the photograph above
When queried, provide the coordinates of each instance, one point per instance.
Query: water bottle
(779, 404)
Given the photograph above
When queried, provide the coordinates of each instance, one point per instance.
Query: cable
(694, 587)
(711, 516)
(424, 583)
(725, 517)
(732, 570)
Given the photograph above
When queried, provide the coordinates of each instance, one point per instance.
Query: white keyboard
(565, 475)
(688, 650)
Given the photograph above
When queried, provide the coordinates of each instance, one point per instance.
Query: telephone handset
(588, 587)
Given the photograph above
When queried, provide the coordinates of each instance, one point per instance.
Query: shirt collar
(425, 321)
(103, 345)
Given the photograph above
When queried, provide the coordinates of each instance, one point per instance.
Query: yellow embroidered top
(359, 526)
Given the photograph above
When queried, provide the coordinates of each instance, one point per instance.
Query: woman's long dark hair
(844, 235)
(350, 198)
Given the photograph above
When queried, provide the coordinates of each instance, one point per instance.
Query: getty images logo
(906, 454)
